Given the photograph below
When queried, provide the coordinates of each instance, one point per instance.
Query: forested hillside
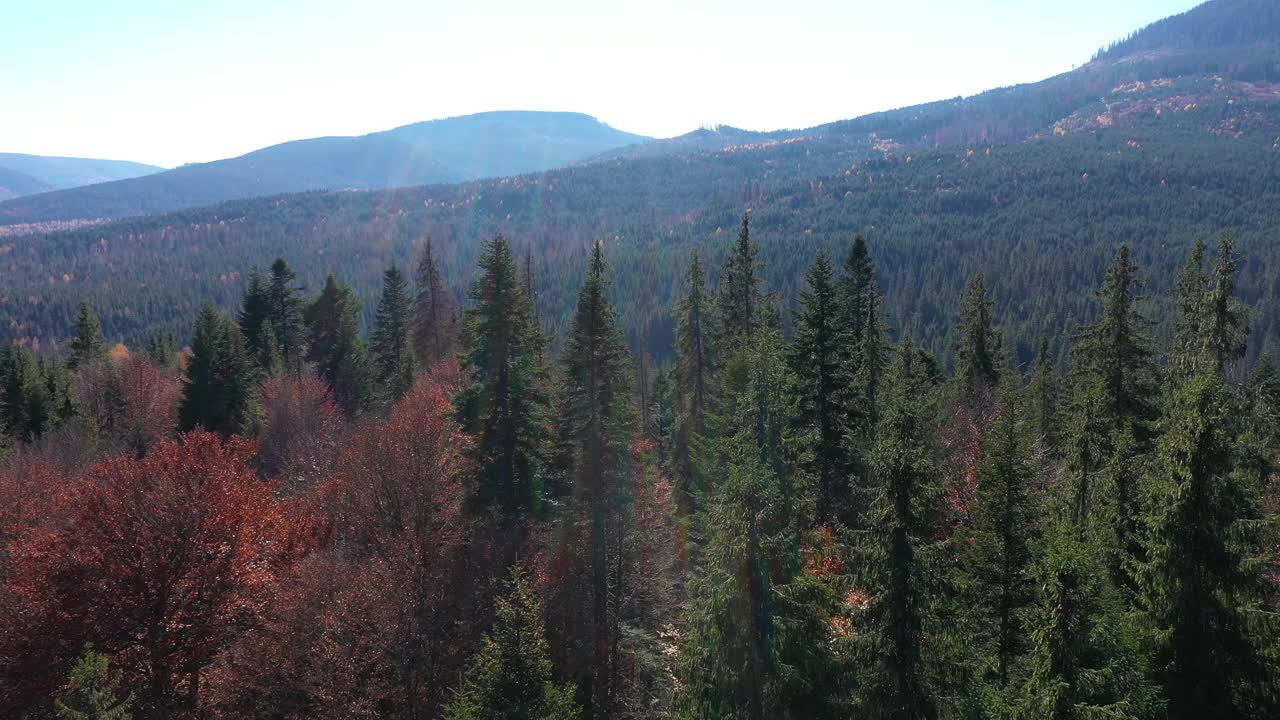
(43, 173)
(439, 151)
(1039, 218)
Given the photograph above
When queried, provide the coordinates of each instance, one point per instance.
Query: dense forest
(453, 511)
(1041, 219)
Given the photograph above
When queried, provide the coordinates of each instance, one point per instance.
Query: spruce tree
(694, 381)
(816, 363)
(1227, 326)
(87, 346)
(433, 313)
(739, 292)
(1190, 294)
(255, 317)
(504, 403)
(1114, 354)
(977, 356)
(201, 404)
(1086, 659)
(162, 349)
(286, 314)
(759, 642)
(335, 347)
(391, 346)
(996, 555)
(1211, 324)
(597, 419)
(93, 692)
(267, 357)
(856, 292)
(235, 376)
(1042, 400)
(218, 393)
(898, 553)
(1123, 511)
(25, 403)
(863, 356)
(1202, 586)
(510, 678)
(1088, 431)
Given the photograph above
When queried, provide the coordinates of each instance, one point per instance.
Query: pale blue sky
(174, 81)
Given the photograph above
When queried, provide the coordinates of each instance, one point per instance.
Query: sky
(169, 82)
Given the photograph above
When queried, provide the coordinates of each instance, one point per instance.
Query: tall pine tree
(335, 347)
(821, 387)
(1202, 586)
(87, 346)
(597, 420)
(504, 403)
(434, 317)
(391, 345)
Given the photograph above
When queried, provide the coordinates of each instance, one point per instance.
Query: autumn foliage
(160, 562)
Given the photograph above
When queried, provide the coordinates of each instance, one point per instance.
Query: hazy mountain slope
(15, 184)
(441, 151)
(55, 173)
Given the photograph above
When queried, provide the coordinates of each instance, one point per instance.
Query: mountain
(29, 174)
(15, 184)
(439, 151)
(1035, 185)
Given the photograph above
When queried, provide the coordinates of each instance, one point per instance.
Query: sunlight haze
(170, 83)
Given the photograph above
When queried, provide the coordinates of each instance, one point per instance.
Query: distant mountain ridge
(450, 150)
(22, 174)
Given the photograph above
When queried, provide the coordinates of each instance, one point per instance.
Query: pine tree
(977, 355)
(267, 357)
(816, 357)
(1042, 399)
(855, 294)
(996, 556)
(1210, 328)
(1202, 586)
(1087, 445)
(218, 394)
(504, 404)
(739, 299)
(57, 383)
(433, 313)
(1085, 659)
(862, 356)
(235, 376)
(898, 553)
(391, 347)
(202, 401)
(335, 347)
(1191, 293)
(255, 317)
(26, 407)
(87, 346)
(93, 692)
(510, 677)
(286, 315)
(162, 349)
(759, 632)
(694, 380)
(597, 418)
(1113, 353)
(1227, 326)
(1123, 511)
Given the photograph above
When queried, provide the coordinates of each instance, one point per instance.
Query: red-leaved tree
(160, 563)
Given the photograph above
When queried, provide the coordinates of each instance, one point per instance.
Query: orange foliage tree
(380, 622)
(161, 562)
